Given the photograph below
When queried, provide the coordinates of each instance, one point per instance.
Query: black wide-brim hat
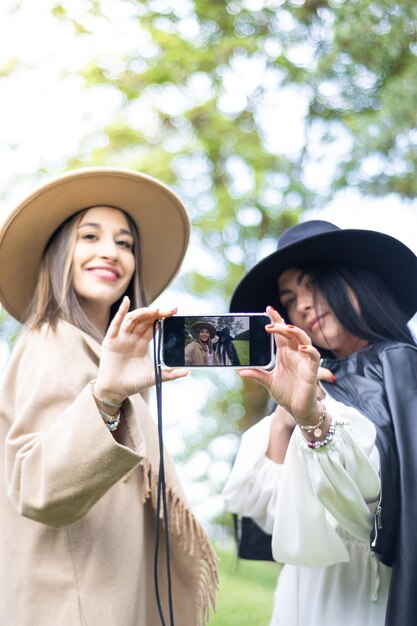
(225, 332)
(317, 241)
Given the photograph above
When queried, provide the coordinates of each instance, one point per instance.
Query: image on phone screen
(229, 340)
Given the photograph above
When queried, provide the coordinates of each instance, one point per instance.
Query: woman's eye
(125, 244)
(89, 236)
(288, 303)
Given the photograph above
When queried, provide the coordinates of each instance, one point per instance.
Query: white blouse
(318, 506)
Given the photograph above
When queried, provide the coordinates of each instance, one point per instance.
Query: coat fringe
(191, 537)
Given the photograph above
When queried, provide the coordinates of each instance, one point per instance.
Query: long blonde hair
(55, 298)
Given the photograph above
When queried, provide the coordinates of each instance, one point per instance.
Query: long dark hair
(380, 316)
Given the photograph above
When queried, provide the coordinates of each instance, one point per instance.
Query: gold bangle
(315, 429)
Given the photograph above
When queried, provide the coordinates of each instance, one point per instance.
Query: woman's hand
(293, 381)
(125, 367)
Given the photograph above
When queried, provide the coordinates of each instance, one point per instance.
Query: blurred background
(258, 113)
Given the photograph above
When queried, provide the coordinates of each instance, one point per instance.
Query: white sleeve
(321, 488)
(252, 487)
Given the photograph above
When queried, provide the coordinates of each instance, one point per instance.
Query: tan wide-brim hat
(197, 326)
(160, 217)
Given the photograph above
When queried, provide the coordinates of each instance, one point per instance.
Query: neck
(98, 314)
(354, 345)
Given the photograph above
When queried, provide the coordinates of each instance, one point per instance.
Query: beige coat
(195, 354)
(78, 507)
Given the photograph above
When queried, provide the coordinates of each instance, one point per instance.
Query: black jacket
(381, 382)
(227, 348)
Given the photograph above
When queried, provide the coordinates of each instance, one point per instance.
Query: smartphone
(228, 340)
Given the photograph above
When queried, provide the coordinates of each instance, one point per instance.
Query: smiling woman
(103, 262)
(200, 351)
(79, 493)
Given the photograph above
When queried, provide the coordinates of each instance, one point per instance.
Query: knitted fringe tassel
(191, 537)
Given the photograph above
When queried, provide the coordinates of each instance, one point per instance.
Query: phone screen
(230, 340)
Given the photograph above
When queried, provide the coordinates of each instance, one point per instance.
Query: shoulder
(374, 360)
(193, 345)
(399, 358)
(63, 332)
(396, 349)
(384, 351)
(391, 359)
(65, 344)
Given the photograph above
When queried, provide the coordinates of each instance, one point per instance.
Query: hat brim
(197, 326)
(381, 254)
(222, 334)
(159, 215)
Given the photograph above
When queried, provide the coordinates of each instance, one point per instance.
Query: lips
(316, 322)
(105, 273)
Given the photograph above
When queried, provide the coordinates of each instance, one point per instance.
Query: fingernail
(333, 378)
(303, 347)
(272, 307)
(270, 326)
(290, 326)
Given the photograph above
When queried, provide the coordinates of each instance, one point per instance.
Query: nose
(108, 249)
(304, 301)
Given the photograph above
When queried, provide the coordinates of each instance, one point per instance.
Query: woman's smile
(104, 273)
(317, 322)
(103, 261)
(204, 335)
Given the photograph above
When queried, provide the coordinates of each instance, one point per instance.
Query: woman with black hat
(225, 350)
(332, 473)
(80, 468)
(200, 349)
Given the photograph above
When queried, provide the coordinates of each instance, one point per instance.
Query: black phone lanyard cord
(161, 492)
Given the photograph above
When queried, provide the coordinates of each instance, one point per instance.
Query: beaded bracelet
(111, 421)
